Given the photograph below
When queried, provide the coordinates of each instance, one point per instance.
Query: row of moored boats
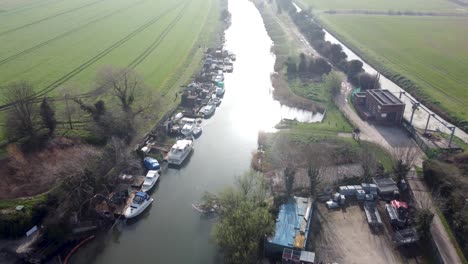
(188, 128)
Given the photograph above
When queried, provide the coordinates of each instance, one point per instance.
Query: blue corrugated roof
(289, 221)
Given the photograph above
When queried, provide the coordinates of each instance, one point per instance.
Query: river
(420, 116)
(171, 231)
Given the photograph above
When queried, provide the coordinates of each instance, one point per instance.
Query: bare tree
(369, 163)
(313, 172)
(48, 116)
(317, 158)
(128, 87)
(403, 159)
(284, 152)
(22, 117)
(289, 175)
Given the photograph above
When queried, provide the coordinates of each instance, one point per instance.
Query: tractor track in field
(48, 18)
(76, 29)
(159, 39)
(25, 8)
(428, 83)
(103, 53)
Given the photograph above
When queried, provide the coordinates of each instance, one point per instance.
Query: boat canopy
(151, 163)
(140, 197)
(141, 194)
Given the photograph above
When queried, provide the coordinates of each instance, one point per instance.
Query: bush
(14, 224)
(449, 181)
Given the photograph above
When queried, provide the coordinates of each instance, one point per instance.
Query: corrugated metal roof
(292, 228)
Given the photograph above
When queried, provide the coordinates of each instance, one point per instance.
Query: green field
(53, 44)
(59, 46)
(383, 5)
(430, 51)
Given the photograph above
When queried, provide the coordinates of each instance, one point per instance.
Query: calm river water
(171, 231)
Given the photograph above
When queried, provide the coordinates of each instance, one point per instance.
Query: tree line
(332, 52)
(31, 120)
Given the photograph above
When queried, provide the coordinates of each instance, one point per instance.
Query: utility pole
(415, 107)
(451, 136)
(427, 123)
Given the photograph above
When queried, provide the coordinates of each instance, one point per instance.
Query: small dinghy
(200, 208)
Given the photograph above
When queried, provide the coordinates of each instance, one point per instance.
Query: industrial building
(292, 227)
(379, 105)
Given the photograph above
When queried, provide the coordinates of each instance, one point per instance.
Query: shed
(292, 226)
(385, 186)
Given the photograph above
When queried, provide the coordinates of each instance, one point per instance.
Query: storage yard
(371, 219)
(345, 237)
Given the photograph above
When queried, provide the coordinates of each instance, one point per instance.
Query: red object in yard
(76, 248)
(398, 204)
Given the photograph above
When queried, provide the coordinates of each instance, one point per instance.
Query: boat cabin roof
(181, 144)
(187, 120)
(151, 174)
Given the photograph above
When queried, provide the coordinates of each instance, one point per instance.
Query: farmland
(417, 44)
(430, 51)
(57, 44)
(383, 5)
(60, 46)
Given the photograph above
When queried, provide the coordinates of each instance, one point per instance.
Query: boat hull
(179, 161)
(129, 214)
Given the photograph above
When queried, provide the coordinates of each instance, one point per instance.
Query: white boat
(216, 101)
(179, 151)
(150, 180)
(140, 202)
(208, 110)
(219, 91)
(218, 78)
(188, 127)
(197, 131)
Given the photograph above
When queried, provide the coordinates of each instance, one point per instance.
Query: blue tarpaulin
(293, 217)
(151, 163)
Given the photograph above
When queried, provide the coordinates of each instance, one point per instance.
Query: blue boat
(151, 164)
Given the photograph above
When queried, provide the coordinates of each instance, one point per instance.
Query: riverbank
(315, 94)
(222, 152)
(34, 208)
